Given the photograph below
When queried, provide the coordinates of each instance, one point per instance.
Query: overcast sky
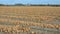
(30, 1)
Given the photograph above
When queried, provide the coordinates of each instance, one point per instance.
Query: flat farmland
(29, 20)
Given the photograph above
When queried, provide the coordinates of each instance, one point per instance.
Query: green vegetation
(2, 5)
(29, 5)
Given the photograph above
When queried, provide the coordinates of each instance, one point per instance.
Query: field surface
(29, 20)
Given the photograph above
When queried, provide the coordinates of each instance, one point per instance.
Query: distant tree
(19, 4)
(1, 4)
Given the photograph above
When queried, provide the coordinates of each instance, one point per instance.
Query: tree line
(29, 5)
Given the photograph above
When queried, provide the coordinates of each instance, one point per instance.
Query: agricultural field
(29, 20)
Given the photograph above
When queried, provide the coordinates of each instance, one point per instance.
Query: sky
(30, 1)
